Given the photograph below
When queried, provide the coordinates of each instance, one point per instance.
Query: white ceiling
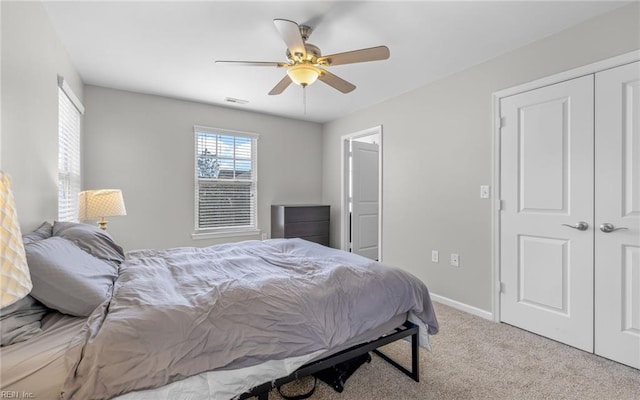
(168, 48)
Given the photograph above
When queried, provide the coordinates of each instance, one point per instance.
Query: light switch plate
(484, 191)
(434, 256)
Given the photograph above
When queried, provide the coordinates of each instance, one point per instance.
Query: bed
(220, 322)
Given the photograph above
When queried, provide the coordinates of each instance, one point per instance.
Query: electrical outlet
(484, 192)
(434, 256)
(455, 259)
(264, 236)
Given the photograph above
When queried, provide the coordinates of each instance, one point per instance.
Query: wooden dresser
(305, 221)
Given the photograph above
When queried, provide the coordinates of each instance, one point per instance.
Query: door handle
(607, 228)
(581, 226)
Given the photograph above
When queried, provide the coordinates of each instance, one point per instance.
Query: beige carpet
(473, 358)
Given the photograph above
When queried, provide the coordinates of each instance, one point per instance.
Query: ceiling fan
(305, 64)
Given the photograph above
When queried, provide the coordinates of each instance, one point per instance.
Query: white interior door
(365, 194)
(617, 202)
(546, 190)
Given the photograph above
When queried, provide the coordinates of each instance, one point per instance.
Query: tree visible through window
(226, 180)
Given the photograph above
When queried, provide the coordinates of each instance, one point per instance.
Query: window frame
(69, 179)
(226, 231)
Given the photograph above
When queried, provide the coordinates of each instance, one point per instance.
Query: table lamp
(98, 204)
(15, 280)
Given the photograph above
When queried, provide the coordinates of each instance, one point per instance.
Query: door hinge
(502, 288)
(502, 122)
(500, 205)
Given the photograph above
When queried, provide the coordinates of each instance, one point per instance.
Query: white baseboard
(462, 306)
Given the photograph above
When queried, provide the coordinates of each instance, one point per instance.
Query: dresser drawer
(301, 229)
(323, 240)
(311, 213)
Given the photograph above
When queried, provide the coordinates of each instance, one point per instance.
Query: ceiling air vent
(234, 100)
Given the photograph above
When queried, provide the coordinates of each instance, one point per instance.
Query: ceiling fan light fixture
(305, 63)
(303, 74)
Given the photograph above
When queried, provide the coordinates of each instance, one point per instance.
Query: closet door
(617, 203)
(546, 178)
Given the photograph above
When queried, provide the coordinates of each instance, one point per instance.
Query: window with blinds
(69, 111)
(226, 180)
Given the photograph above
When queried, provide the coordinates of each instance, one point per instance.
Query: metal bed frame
(407, 329)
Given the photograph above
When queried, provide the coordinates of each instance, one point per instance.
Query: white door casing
(617, 202)
(546, 182)
(365, 193)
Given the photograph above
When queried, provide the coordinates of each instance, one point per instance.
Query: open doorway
(362, 193)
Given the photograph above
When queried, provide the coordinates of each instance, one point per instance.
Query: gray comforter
(178, 312)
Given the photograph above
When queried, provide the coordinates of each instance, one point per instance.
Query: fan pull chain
(304, 98)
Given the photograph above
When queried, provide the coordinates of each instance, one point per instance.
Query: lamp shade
(15, 280)
(96, 204)
(303, 74)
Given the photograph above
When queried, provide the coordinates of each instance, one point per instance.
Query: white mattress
(36, 368)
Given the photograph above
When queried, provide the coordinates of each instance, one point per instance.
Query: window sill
(226, 234)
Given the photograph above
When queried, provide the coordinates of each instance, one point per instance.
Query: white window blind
(69, 179)
(226, 180)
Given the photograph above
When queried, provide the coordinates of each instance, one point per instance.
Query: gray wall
(144, 145)
(32, 58)
(437, 152)
(437, 148)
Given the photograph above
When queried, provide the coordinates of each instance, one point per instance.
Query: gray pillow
(91, 239)
(44, 231)
(66, 278)
(20, 320)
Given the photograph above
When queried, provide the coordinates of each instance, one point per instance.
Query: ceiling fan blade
(335, 81)
(253, 63)
(356, 56)
(281, 86)
(290, 32)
